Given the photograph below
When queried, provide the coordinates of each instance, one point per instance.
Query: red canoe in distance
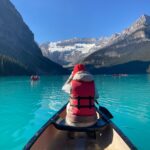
(35, 78)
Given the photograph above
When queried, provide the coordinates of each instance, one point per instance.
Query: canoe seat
(61, 124)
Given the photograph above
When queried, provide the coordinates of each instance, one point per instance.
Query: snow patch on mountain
(68, 51)
(54, 46)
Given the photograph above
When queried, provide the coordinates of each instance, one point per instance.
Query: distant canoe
(120, 75)
(35, 77)
(56, 135)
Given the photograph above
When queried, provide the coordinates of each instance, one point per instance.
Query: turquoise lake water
(25, 106)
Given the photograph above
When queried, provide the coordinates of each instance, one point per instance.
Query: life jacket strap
(82, 97)
(82, 106)
(79, 98)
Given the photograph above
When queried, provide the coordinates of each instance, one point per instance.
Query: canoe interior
(106, 139)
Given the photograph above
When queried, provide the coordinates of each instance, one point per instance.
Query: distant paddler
(34, 77)
(120, 75)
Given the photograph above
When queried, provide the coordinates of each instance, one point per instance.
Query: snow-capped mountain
(143, 21)
(70, 51)
(129, 48)
(103, 51)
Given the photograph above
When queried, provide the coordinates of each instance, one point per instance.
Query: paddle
(104, 111)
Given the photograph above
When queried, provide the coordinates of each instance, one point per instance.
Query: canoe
(34, 78)
(57, 135)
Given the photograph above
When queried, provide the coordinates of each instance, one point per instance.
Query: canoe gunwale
(42, 129)
(120, 133)
(123, 136)
(51, 120)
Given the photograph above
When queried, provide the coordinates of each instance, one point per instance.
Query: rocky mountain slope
(69, 52)
(132, 46)
(18, 50)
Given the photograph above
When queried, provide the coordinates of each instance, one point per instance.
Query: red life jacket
(82, 98)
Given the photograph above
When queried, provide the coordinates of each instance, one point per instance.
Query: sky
(53, 20)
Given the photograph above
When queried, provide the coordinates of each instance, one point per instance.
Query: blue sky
(52, 20)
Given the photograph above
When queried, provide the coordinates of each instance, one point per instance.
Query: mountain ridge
(17, 42)
(98, 43)
(133, 44)
(68, 52)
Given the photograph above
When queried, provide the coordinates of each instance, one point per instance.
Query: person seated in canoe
(80, 85)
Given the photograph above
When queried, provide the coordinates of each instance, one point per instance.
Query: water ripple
(25, 106)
